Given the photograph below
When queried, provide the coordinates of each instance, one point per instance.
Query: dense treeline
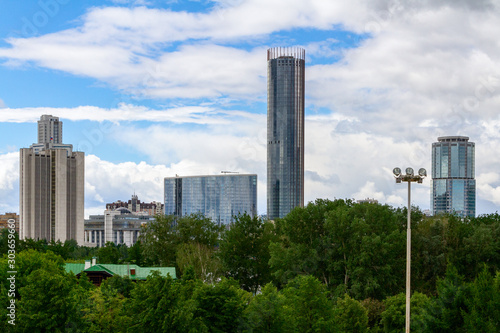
(332, 266)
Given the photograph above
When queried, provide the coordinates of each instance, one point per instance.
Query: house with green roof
(99, 272)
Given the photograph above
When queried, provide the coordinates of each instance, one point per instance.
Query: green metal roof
(141, 273)
(74, 268)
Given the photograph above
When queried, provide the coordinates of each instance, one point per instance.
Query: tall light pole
(408, 177)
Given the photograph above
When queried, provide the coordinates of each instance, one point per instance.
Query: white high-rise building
(49, 129)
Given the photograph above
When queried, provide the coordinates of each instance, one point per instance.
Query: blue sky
(150, 89)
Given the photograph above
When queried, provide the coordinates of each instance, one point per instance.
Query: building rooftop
(453, 138)
(141, 273)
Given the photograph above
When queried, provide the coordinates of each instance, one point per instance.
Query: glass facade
(453, 183)
(219, 198)
(285, 130)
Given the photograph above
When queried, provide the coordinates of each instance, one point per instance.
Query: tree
(367, 249)
(483, 313)
(104, 311)
(196, 228)
(117, 284)
(302, 247)
(244, 251)
(450, 303)
(151, 304)
(160, 238)
(307, 307)
(197, 238)
(109, 254)
(393, 318)
(135, 253)
(220, 307)
(374, 310)
(265, 313)
(159, 241)
(350, 316)
(45, 303)
(353, 248)
(201, 258)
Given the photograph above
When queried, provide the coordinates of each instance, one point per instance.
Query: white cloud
(125, 46)
(2, 104)
(9, 180)
(126, 112)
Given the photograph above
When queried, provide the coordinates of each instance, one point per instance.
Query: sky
(151, 89)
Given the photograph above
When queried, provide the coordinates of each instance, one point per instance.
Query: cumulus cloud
(126, 112)
(125, 47)
(9, 180)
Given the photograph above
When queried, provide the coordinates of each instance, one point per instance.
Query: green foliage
(302, 247)
(135, 253)
(7, 242)
(220, 307)
(265, 313)
(483, 304)
(327, 249)
(244, 251)
(151, 303)
(198, 229)
(355, 248)
(374, 310)
(393, 318)
(119, 285)
(350, 315)
(307, 307)
(104, 311)
(450, 303)
(109, 254)
(159, 240)
(201, 258)
(428, 254)
(45, 302)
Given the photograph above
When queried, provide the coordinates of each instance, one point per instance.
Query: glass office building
(453, 183)
(285, 130)
(219, 197)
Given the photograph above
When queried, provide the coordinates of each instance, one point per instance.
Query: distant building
(453, 176)
(5, 218)
(135, 206)
(285, 130)
(49, 129)
(368, 200)
(121, 222)
(219, 197)
(51, 186)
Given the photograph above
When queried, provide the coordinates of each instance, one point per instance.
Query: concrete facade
(51, 192)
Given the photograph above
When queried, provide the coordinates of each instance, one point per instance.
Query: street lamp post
(408, 177)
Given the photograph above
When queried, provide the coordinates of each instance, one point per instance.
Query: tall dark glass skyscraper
(285, 130)
(453, 183)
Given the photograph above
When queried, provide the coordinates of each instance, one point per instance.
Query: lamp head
(409, 171)
(422, 172)
(396, 172)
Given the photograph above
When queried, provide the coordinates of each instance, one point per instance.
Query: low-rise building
(100, 272)
(6, 218)
(136, 206)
